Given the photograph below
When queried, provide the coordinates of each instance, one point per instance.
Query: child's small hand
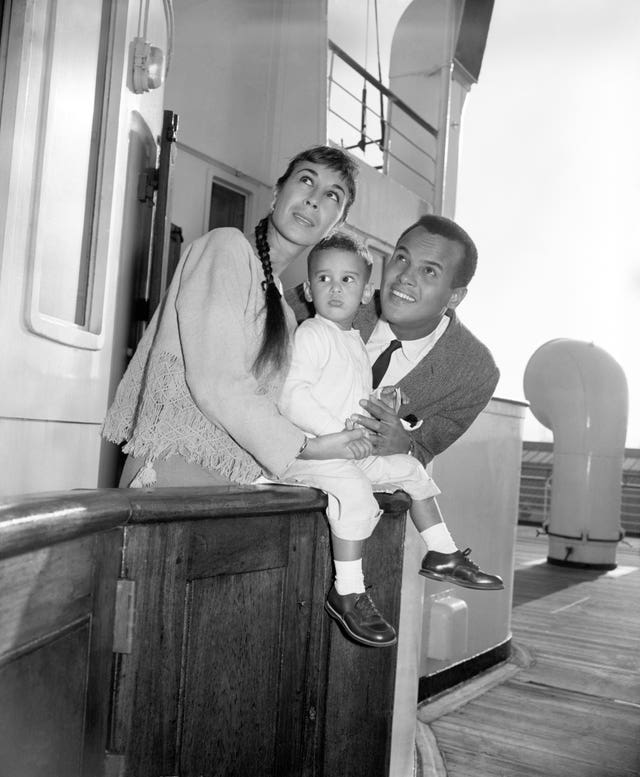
(338, 445)
(353, 423)
(391, 396)
(361, 448)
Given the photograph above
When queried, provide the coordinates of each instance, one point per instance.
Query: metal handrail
(398, 132)
(535, 494)
(383, 143)
(378, 116)
(382, 88)
(412, 169)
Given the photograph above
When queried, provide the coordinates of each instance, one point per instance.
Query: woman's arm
(217, 305)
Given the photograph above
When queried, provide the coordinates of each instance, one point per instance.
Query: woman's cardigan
(189, 389)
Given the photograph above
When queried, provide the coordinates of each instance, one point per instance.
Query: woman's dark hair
(275, 339)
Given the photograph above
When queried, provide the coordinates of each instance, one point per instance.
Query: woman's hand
(353, 444)
(389, 435)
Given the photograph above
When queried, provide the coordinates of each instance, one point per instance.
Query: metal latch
(114, 765)
(148, 185)
(123, 617)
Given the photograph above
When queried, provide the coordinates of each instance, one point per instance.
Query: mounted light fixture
(148, 62)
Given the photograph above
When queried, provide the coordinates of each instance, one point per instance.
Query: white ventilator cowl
(579, 391)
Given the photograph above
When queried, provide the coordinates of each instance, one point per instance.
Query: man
(446, 375)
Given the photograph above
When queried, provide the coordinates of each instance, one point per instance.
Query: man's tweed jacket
(446, 390)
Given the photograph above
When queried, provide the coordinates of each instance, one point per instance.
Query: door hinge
(171, 127)
(123, 616)
(114, 765)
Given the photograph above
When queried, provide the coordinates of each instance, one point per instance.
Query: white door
(73, 139)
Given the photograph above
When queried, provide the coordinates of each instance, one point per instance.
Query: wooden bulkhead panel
(56, 611)
(224, 651)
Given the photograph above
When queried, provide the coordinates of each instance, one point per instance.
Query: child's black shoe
(360, 619)
(459, 569)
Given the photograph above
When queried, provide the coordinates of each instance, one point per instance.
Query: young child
(330, 372)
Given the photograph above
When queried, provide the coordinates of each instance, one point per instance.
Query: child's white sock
(349, 577)
(438, 538)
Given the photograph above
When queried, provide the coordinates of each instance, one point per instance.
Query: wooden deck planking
(460, 764)
(563, 722)
(574, 675)
(575, 711)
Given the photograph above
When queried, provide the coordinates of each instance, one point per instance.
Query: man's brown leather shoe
(459, 569)
(359, 617)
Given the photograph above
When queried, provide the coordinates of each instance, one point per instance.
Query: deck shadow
(537, 582)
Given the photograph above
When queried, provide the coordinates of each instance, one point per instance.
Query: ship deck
(568, 702)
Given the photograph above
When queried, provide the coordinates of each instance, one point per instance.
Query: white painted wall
(264, 65)
(57, 376)
(479, 477)
(248, 82)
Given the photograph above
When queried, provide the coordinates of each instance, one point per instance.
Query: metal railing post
(387, 138)
(446, 74)
(333, 56)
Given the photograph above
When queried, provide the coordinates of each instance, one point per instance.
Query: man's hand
(389, 436)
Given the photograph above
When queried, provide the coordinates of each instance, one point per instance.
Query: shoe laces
(468, 561)
(365, 604)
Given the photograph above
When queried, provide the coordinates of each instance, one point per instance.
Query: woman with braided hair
(197, 404)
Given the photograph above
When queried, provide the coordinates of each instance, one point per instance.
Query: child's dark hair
(275, 340)
(342, 242)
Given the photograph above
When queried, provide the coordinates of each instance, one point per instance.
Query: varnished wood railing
(230, 664)
(32, 521)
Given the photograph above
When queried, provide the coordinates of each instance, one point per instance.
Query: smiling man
(445, 372)
(416, 343)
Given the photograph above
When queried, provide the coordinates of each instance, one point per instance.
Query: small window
(67, 279)
(379, 257)
(227, 207)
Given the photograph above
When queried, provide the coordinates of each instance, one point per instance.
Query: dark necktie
(382, 362)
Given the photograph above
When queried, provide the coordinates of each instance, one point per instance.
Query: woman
(197, 403)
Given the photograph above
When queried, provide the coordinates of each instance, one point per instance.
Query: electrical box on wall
(148, 66)
(447, 634)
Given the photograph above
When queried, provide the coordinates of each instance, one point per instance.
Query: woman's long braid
(262, 244)
(273, 349)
